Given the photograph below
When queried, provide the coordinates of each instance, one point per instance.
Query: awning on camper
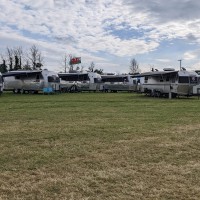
(74, 76)
(21, 73)
(71, 74)
(156, 73)
(114, 78)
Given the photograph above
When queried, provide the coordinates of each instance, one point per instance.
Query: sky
(157, 33)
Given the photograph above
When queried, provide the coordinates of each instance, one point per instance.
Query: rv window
(76, 77)
(97, 80)
(167, 78)
(57, 80)
(1, 79)
(193, 80)
(183, 79)
(146, 79)
(126, 79)
(114, 79)
(53, 79)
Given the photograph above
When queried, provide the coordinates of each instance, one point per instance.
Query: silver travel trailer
(74, 82)
(115, 83)
(1, 84)
(168, 83)
(31, 81)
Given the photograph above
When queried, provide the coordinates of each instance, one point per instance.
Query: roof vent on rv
(169, 69)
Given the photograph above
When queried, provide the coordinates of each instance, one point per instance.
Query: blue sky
(107, 32)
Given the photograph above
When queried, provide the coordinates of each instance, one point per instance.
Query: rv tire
(16, 91)
(158, 94)
(22, 91)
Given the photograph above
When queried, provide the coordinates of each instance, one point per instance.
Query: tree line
(17, 59)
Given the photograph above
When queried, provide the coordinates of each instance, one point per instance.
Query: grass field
(96, 146)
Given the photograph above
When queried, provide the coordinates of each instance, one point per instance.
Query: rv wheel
(15, 91)
(73, 88)
(158, 94)
(22, 91)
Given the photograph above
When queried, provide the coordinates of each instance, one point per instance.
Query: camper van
(1, 84)
(168, 82)
(31, 81)
(72, 82)
(115, 83)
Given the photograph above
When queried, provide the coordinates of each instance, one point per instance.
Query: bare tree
(35, 57)
(27, 65)
(77, 68)
(91, 67)
(82, 68)
(3, 66)
(98, 71)
(64, 62)
(134, 66)
(71, 66)
(18, 53)
(9, 53)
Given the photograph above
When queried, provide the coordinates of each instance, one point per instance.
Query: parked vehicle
(77, 82)
(31, 81)
(168, 82)
(115, 83)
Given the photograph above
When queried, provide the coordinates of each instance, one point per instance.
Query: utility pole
(180, 63)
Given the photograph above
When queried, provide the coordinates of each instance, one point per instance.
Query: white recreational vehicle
(168, 82)
(115, 83)
(31, 81)
(1, 84)
(72, 82)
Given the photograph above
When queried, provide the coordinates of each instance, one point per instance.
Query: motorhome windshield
(52, 79)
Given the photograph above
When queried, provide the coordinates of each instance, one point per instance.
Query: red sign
(75, 60)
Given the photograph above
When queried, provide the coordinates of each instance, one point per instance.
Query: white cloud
(162, 60)
(83, 27)
(189, 56)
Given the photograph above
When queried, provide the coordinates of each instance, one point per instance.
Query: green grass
(96, 146)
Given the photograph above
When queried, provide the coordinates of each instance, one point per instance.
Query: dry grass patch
(99, 146)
